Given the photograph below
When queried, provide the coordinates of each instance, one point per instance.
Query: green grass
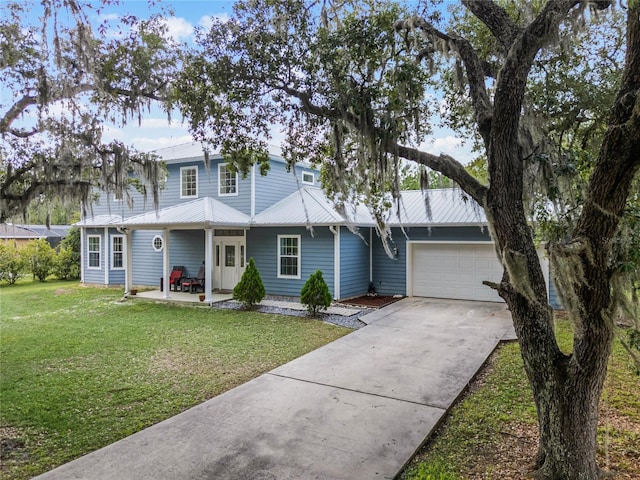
(475, 436)
(79, 369)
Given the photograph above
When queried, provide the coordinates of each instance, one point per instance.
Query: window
(227, 181)
(117, 252)
(229, 255)
(156, 243)
(308, 177)
(94, 251)
(288, 256)
(188, 182)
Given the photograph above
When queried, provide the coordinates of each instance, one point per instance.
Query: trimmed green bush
(39, 257)
(250, 289)
(12, 263)
(315, 293)
(66, 265)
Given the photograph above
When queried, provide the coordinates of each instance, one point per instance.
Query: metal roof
(99, 221)
(195, 150)
(438, 207)
(309, 206)
(194, 214)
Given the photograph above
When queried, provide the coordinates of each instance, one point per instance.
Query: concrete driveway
(358, 408)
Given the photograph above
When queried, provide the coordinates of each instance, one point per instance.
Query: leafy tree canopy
(352, 85)
(61, 81)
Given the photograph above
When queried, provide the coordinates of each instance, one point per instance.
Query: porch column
(107, 256)
(128, 268)
(165, 264)
(83, 256)
(208, 264)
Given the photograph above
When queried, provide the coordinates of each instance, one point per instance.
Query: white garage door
(454, 271)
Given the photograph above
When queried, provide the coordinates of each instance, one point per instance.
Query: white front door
(232, 263)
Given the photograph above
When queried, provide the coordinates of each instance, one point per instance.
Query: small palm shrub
(315, 293)
(250, 289)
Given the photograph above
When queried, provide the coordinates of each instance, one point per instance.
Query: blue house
(210, 216)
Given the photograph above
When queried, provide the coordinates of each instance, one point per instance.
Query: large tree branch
(19, 107)
(442, 163)
(446, 165)
(474, 68)
(503, 28)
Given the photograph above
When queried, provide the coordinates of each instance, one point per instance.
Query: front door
(232, 263)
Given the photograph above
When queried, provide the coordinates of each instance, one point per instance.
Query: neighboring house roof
(10, 231)
(197, 213)
(50, 231)
(438, 207)
(310, 206)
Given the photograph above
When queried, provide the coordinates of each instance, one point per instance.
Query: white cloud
(146, 144)
(178, 28)
(160, 123)
(207, 20)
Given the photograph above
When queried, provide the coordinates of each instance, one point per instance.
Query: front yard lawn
(80, 369)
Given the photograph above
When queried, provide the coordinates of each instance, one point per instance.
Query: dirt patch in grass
(13, 447)
(64, 291)
(377, 301)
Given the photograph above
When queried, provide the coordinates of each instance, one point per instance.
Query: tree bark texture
(566, 388)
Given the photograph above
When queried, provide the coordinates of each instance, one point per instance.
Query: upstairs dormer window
(308, 178)
(189, 182)
(227, 181)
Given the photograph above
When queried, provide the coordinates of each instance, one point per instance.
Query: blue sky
(155, 131)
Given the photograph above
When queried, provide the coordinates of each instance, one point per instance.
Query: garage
(453, 270)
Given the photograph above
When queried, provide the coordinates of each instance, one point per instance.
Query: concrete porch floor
(182, 297)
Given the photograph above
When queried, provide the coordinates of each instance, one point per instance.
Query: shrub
(315, 293)
(65, 265)
(39, 257)
(12, 263)
(250, 289)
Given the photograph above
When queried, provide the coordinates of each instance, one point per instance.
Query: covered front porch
(183, 297)
(222, 249)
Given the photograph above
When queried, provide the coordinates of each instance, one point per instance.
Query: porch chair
(175, 278)
(192, 284)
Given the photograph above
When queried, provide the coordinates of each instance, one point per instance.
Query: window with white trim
(93, 248)
(288, 256)
(227, 180)
(308, 178)
(117, 252)
(156, 243)
(189, 182)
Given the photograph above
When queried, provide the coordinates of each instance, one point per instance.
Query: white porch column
(107, 256)
(83, 257)
(166, 273)
(336, 261)
(128, 268)
(208, 263)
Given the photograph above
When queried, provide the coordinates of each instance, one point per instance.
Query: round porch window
(156, 243)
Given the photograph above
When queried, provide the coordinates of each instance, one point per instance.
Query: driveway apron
(357, 408)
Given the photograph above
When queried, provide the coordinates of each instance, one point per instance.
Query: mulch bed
(371, 301)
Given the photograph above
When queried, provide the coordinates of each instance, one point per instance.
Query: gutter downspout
(336, 261)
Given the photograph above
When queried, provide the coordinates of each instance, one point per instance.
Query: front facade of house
(209, 216)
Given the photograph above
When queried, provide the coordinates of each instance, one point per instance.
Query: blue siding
(170, 194)
(354, 263)
(278, 183)
(389, 274)
(186, 248)
(554, 299)
(94, 275)
(316, 254)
